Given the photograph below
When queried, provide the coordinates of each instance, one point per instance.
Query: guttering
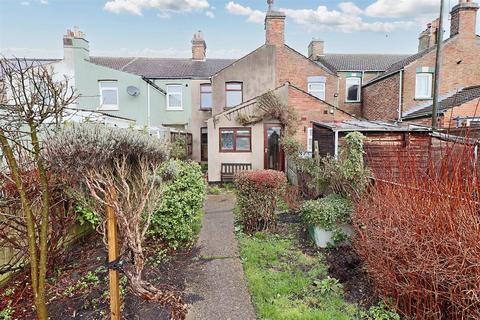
(148, 105)
(400, 95)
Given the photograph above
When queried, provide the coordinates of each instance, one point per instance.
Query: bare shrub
(119, 168)
(419, 235)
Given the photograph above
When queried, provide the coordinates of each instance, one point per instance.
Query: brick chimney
(464, 18)
(275, 28)
(315, 49)
(75, 45)
(428, 37)
(199, 47)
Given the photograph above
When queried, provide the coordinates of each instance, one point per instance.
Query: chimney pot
(464, 18)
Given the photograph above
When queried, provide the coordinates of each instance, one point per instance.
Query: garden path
(217, 282)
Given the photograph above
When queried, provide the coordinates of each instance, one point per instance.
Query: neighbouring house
(460, 109)
(408, 84)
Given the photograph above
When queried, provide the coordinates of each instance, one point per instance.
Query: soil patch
(79, 288)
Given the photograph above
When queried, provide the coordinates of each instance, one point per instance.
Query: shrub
(177, 220)
(327, 212)
(419, 236)
(178, 149)
(257, 195)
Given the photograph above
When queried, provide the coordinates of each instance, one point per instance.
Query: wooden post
(113, 256)
(316, 151)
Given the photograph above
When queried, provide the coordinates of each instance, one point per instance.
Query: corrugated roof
(365, 125)
(455, 100)
(359, 62)
(164, 68)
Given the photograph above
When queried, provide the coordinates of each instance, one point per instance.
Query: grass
(286, 283)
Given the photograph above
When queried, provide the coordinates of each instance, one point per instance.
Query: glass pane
(353, 92)
(423, 86)
(234, 98)
(317, 86)
(175, 100)
(108, 84)
(206, 88)
(227, 140)
(206, 102)
(318, 94)
(243, 132)
(243, 143)
(234, 86)
(109, 97)
(174, 89)
(273, 136)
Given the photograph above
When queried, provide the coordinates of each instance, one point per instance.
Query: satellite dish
(133, 91)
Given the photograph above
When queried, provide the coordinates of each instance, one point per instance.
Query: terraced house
(405, 90)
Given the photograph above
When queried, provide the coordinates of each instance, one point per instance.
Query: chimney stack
(315, 49)
(199, 47)
(428, 38)
(75, 44)
(274, 27)
(464, 18)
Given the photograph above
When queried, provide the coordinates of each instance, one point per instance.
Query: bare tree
(32, 99)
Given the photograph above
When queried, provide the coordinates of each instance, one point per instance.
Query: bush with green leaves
(177, 221)
(257, 194)
(379, 312)
(327, 212)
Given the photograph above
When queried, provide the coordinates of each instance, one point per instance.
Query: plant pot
(322, 237)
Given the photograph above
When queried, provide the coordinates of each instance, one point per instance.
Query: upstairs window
(235, 140)
(174, 97)
(423, 86)
(206, 96)
(108, 95)
(233, 94)
(353, 86)
(317, 89)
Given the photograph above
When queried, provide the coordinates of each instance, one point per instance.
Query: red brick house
(408, 84)
(315, 86)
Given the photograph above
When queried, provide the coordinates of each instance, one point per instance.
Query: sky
(232, 28)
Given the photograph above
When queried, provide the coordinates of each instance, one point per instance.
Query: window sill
(225, 151)
(173, 109)
(108, 108)
(422, 99)
(358, 101)
(202, 109)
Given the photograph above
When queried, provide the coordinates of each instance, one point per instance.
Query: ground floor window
(235, 140)
(204, 144)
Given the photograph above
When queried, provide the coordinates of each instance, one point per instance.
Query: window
(317, 89)
(206, 96)
(309, 140)
(204, 144)
(108, 95)
(423, 86)
(174, 97)
(353, 89)
(233, 94)
(235, 140)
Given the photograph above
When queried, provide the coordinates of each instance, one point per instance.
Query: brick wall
(380, 99)
(295, 68)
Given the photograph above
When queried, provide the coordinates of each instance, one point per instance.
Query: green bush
(257, 195)
(177, 221)
(327, 212)
(179, 149)
(380, 312)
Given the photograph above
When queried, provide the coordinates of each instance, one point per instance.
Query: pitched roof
(359, 62)
(163, 68)
(465, 95)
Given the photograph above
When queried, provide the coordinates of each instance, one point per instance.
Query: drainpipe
(400, 96)
(336, 145)
(148, 105)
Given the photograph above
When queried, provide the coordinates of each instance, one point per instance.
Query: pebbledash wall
(387, 96)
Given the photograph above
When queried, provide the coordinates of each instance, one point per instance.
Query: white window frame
(310, 91)
(310, 140)
(168, 107)
(108, 107)
(429, 76)
(359, 94)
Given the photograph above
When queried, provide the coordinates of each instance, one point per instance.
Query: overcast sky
(164, 28)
